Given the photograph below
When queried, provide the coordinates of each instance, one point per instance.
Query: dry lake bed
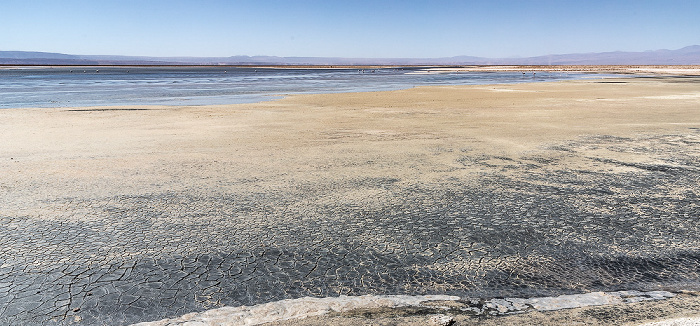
(119, 215)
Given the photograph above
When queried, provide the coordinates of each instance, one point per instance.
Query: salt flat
(119, 215)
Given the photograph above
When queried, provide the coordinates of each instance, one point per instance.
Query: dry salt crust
(678, 70)
(687, 321)
(117, 216)
(308, 307)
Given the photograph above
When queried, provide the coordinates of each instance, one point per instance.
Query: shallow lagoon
(99, 86)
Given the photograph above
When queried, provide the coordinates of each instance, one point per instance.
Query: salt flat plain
(116, 215)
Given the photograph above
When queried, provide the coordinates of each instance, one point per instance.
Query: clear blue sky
(346, 28)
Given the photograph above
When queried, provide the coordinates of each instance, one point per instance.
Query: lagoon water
(27, 87)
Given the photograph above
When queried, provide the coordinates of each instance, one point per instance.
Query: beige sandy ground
(46, 153)
(413, 135)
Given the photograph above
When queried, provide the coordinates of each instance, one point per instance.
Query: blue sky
(371, 29)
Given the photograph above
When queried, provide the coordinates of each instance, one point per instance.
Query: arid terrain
(118, 215)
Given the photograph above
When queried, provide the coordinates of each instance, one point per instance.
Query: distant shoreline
(679, 70)
(671, 70)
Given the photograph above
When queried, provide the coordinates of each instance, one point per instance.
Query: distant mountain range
(689, 55)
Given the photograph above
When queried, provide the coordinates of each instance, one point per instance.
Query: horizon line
(341, 57)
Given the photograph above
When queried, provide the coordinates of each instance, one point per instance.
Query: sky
(346, 28)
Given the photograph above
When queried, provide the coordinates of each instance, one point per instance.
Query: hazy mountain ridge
(689, 55)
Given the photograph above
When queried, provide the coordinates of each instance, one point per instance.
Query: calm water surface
(95, 86)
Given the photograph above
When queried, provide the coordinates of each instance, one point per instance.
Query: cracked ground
(113, 216)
